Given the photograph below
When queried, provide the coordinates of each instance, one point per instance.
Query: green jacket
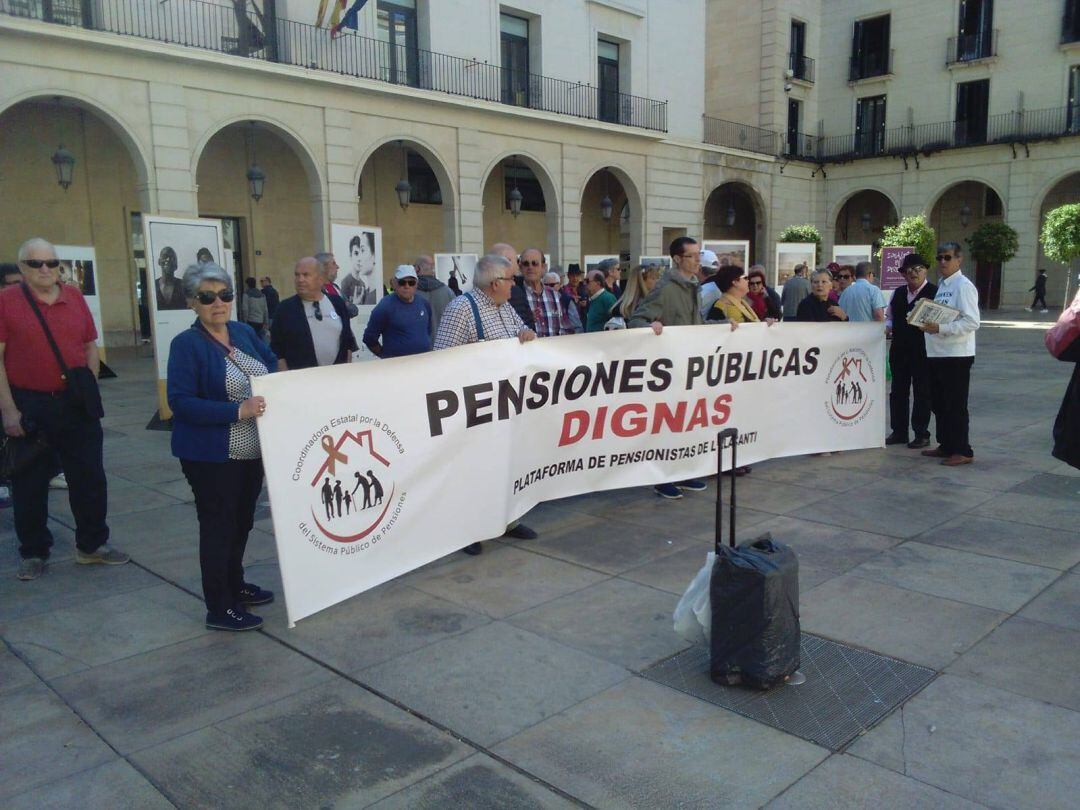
(599, 311)
(673, 302)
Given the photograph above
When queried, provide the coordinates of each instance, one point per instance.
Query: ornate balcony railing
(740, 136)
(223, 29)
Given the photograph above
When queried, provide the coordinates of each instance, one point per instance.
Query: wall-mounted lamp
(403, 189)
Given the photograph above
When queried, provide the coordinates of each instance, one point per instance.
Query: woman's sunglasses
(206, 298)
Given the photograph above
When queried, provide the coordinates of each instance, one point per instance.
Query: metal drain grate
(847, 690)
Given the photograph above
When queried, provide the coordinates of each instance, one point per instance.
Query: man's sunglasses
(533, 263)
(407, 282)
(944, 257)
(206, 297)
(37, 264)
(551, 284)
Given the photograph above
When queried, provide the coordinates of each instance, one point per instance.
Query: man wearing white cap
(402, 322)
(708, 292)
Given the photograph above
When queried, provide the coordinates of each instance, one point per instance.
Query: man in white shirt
(950, 351)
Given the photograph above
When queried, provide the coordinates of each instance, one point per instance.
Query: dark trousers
(950, 378)
(1039, 296)
(78, 442)
(225, 496)
(910, 374)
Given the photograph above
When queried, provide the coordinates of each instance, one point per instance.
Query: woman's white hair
(196, 274)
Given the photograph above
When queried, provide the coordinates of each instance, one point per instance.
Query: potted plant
(913, 231)
(1060, 238)
(803, 233)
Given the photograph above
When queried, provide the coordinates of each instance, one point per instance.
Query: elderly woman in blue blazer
(214, 436)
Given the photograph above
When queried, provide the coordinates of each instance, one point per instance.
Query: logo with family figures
(353, 488)
(851, 384)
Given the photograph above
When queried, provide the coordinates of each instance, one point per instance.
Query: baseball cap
(709, 258)
(405, 271)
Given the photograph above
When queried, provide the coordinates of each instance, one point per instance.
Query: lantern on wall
(256, 177)
(403, 189)
(965, 215)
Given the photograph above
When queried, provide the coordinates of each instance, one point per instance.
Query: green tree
(913, 231)
(803, 233)
(1060, 238)
(993, 242)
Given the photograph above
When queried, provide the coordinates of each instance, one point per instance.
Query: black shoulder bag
(80, 385)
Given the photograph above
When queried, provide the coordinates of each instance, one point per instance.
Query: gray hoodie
(438, 295)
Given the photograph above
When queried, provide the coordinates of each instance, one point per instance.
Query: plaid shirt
(458, 324)
(547, 311)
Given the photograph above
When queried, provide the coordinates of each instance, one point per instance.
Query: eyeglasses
(316, 311)
(37, 264)
(756, 283)
(533, 263)
(408, 282)
(551, 284)
(944, 257)
(206, 297)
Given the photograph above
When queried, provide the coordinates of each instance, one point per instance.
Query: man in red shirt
(32, 400)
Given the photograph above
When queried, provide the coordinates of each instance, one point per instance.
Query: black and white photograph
(173, 245)
(77, 268)
(592, 262)
(456, 270)
(730, 252)
(358, 250)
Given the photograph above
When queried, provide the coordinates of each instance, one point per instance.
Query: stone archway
(621, 232)
(427, 224)
(110, 184)
(733, 210)
(537, 225)
(862, 218)
(1061, 281)
(958, 210)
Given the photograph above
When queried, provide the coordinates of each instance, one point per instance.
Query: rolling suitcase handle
(733, 434)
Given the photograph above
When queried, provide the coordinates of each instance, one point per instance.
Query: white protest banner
(375, 469)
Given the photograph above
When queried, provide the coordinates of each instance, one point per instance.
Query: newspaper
(927, 311)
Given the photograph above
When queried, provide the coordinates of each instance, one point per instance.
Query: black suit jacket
(290, 335)
(906, 338)
(521, 304)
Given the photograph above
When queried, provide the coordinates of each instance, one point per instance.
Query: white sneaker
(59, 482)
(1044, 310)
(1027, 309)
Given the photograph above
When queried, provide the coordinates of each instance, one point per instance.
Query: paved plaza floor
(512, 679)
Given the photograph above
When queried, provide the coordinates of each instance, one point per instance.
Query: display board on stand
(891, 259)
(730, 252)
(789, 254)
(358, 250)
(78, 266)
(456, 270)
(852, 254)
(173, 245)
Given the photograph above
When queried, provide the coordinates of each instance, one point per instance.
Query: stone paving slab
(140, 701)
(59, 642)
(846, 781)
(640, 744)
(895, 621)
(503, 580)
(42, 739)
(959, 575)
(622, 622)
(983, 743)
(14, 673)
(477, 783)
(1058, 605)
(1030, 658)
(493, 682)
(116, 786)
(1007, 539)
(335, 745)
(67, 585)
(1037, 510)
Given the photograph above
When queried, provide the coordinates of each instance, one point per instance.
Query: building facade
(703, 117)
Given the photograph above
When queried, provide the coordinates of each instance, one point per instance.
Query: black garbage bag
(754, 596)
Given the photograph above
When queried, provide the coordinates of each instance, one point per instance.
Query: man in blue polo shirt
(862, 301)
(401, 320)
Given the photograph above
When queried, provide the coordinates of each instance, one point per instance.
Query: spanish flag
(351, 19)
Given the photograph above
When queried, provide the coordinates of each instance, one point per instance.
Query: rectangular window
(794, 117)
(976, 31)
(1073, 111)
(972, 112)
(514, 46)
(424, 186)
(1070, 24)
(870, 48)
(607, 54)
(799, 64)
(396, 29)
(870, 126)
(522, 178)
